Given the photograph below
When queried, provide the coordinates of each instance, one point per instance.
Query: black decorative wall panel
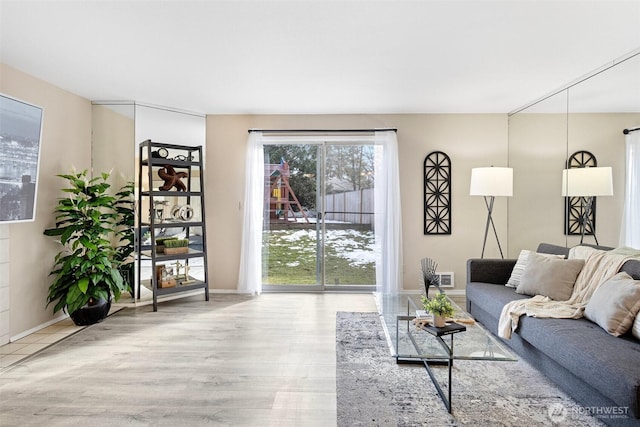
(437, 193)
(574, 206)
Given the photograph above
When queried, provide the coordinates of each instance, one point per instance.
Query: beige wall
(470, 140)
(66, 142)
(112, 144)
(537, 152)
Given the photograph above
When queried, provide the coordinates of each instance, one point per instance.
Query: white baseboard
(225, 291)
(454, 292)
(448, 291)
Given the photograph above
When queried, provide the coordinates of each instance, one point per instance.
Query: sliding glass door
(291, 231)
(318, 216)
(348, 215)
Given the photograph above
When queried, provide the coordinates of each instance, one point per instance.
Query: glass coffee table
(462, 339)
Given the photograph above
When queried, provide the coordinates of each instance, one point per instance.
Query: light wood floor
(234, 361)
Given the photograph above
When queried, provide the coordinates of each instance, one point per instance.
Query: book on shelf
(423, 314)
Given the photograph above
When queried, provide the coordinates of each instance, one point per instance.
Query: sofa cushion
(589, 353)
(549, 248)
(615, 304)
(551, 277)
(632, 268)
(521, 264)
(491, 297)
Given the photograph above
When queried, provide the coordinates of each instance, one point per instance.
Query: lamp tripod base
(488, 201)
(587, 210)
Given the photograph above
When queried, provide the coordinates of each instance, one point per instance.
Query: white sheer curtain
(388, 215)
(388, 227)
(250, 276)
(630, 231)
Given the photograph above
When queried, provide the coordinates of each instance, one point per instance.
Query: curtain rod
(320, 130)
(626, 131)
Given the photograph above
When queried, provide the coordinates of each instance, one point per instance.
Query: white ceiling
(310, 56)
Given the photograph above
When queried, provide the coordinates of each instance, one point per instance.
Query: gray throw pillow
(521, 264)
(615, 304)
(551, 277)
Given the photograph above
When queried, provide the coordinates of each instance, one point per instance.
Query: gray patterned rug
(372, 390)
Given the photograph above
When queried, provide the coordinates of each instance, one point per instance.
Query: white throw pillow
(521, 264)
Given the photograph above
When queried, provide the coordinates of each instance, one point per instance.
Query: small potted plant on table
(440, 307)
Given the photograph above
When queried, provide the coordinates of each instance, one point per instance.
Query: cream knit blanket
(599, 266)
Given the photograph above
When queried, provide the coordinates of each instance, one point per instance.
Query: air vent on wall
(446, 280)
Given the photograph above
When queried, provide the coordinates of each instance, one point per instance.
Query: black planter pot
(90, 314)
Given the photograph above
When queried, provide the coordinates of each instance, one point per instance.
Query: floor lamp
(491, 182)
(587, 183)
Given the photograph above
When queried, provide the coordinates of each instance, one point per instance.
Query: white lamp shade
(585, 182)
(491, 181)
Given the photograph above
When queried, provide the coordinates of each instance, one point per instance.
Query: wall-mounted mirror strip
(119, 126)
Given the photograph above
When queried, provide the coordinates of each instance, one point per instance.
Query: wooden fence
(355, 207)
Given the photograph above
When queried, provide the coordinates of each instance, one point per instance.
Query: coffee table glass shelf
(398, 312)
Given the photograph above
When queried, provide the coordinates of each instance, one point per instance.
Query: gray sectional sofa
(600, 371)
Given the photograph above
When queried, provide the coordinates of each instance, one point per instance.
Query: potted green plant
(86, 269)
(440, 307)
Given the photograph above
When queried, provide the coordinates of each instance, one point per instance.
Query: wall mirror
(119, 127)
(588, 115)
(537, 149)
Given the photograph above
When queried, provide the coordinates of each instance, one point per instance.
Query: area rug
(372, 390)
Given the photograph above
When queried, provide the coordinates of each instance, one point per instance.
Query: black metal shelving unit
(182, 159)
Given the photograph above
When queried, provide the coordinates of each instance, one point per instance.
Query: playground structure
(279, 195)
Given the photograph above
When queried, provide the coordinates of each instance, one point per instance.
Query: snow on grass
(356, 246)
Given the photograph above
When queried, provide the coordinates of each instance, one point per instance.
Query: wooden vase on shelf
(179, 250)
